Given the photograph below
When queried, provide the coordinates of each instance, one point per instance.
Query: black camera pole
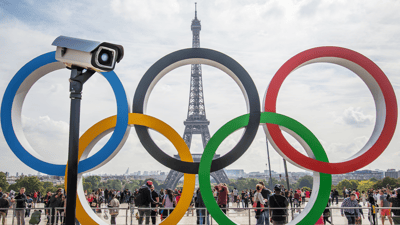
(78, 78)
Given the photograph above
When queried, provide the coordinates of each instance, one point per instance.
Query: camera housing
(93, 55)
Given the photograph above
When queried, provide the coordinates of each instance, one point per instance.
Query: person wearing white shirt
(259, 202)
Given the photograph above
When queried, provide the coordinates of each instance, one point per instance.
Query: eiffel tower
(196, 122)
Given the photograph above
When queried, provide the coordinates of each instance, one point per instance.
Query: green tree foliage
(245, 183)
(134, 184)
(3, 182)
(48, 186)
(30, 183)
(111, 184)
(373, 179)
(385, 182)
(87, 186)
(352, 184)
(306, 181)
(94, 181)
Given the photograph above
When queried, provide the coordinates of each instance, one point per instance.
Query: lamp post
(269, 165)
(286, 173)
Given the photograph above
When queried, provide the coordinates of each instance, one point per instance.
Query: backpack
(35, 218)
(141, 199)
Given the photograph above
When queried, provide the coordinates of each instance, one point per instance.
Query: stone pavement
(240, 216)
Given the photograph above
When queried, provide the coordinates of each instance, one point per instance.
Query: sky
(330, 100)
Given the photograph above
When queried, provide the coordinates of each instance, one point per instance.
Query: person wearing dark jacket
(20, 200)
(4, 204)
(106, 196)
(55, 202)
(146, 199)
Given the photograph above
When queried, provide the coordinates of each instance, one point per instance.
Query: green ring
(266, 117)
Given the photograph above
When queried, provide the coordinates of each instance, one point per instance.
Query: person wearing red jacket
(222, 196)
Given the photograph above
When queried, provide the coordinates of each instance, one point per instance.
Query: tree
(373, 179)
(306, 181)
(365, 185)
(111, 184)
(31, 184)
(94, 180)
(134, 184)
(349, 184)
(87, 186)
(3, 181)
(386, 181)
(48, 186)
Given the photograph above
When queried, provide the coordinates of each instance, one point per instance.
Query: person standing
(222, 196)
(29, 202)
(372, 209)
(143, 201)
(235, 195)
(265, 194)
(303, 197)
(279, 215)
(364, 197)
(259, 201)
(335, 196)
(168, 203)
(154, 205)
(35, 198)
(202, 212)
(385, 203)
(20, 200)
(106, 196)
(246, 199)
(55, 202)
(395, 202)
(114, 211)
(351, 214)
(242, 198)
(4, 205)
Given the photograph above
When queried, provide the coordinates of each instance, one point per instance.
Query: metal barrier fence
(128, 215)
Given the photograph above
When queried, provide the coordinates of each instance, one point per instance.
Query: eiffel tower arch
(196, 122)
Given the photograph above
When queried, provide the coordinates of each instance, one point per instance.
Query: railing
(127, 215)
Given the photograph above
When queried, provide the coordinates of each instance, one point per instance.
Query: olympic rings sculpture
(273, 123)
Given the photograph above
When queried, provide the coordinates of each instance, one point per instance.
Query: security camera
(93, 55)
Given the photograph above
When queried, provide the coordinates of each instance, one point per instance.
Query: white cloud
(355, 117)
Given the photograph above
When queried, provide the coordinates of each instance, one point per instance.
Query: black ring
(241, 74)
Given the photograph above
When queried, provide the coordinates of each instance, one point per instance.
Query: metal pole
(286, 173)
(76, 84)
(249, 216)
(269, 165)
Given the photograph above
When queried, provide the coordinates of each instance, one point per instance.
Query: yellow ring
(84, 213)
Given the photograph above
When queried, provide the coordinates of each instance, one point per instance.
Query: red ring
(383, 83)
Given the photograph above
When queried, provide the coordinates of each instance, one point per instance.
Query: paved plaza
(240, 216)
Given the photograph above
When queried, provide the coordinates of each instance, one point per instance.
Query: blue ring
(56, 169)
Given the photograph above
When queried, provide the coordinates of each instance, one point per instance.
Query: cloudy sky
(261, 35)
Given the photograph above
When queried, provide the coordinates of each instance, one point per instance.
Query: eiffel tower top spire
(196, 27)
(195, 10)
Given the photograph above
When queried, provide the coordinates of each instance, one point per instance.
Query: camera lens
(104, 57)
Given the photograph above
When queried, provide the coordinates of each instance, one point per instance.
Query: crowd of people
(270, 206)
(378, 201)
